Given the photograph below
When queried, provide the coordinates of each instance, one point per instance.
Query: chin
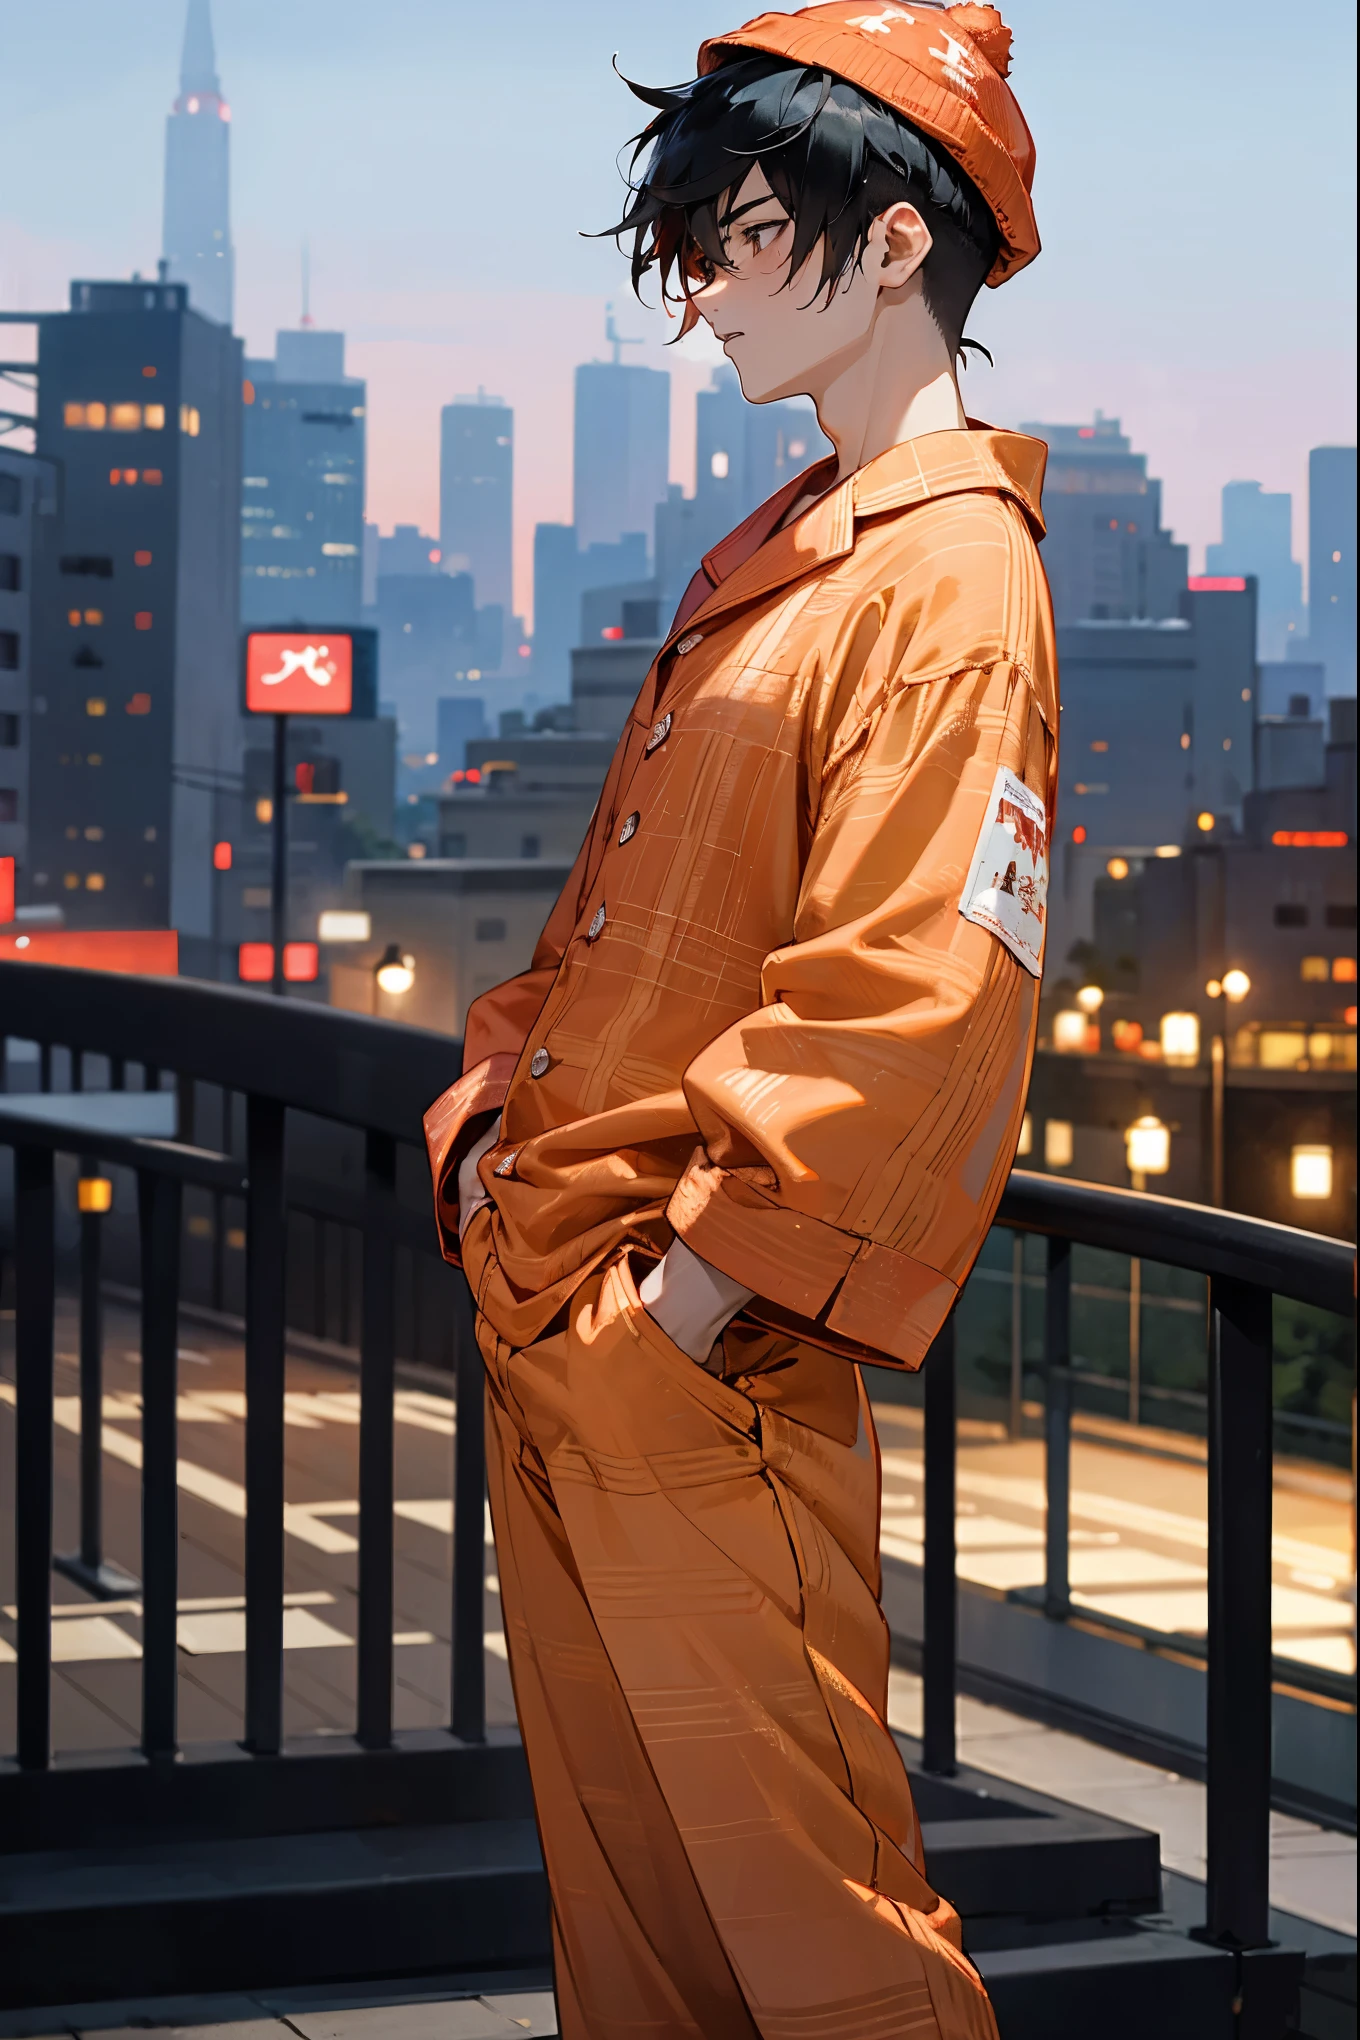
(760, 385)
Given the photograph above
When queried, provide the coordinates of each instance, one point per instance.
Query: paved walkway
(516, 2015)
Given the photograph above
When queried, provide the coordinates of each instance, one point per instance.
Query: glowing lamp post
(1233, 987)
(1179, 1034)
(1147, 1147)
(394, 973)
(312, 672)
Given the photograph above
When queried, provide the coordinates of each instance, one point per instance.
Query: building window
(11, 496)
(490, 931)
(142, 619)
(71, 880)
(455, 846)
(11, 573)
(9, 804)
(1313, 970)
(529, 846)
(94, 706)
(85, 417)
(1339, 914)
(141, 559)
(189, 420)
(94, 834)
(9, 732)
(126, 417)
(1287, 915)
(1343, 970)
(97, 564)
(153, 417)
(152, 478)
(140, 704)
(94, 881)
(94, 617)
(9, 651)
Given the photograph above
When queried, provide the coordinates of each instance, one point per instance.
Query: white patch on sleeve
(1007, 889)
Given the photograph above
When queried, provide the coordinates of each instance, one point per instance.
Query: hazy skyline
(1195, 195)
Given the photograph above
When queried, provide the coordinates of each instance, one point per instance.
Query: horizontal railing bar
(375, 1074)
(1302, 1265)
(204, 1167)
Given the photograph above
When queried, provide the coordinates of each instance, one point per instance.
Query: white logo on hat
(954, 60)
(878, 24)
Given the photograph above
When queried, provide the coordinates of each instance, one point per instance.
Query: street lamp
(394, 973)
(1147, 1145)
(1233, 986)
(1179, 1034)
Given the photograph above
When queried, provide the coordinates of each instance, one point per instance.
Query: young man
(747, 1118)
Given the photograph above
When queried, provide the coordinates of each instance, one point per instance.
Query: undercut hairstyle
(834, 157)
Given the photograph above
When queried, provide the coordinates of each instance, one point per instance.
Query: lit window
(1058, 1143)
(140, 704)
(1310, 1172)
(718, 466)
(1025, 1144)
(1310, 839)
(149, 373)
(339, 924)
(141, 559)
(96, 417)
(152, 478)
(94, 706)
(1343, 970)
(1185, 740)
(1313, 970)
(301, 962)
(149, 835)
(1179, 1035)
(73, 416)
(255, 962)
(153, 417)
(94, 834)
(1100, 745)
(1246, 691)
(1118, 867)
(247, 392)
(95, 758)
(94, 881)
(73, 618)
(129, 476)
(1079, 833)
(1069, 1032)
(189, 420)
(142, 619)
(125, 418)
(71, 880)
(115, 477)
(94, 616)
(1227, 743)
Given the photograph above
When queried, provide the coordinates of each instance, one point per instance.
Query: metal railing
(378, 1078)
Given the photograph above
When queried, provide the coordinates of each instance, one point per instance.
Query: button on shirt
(794, 1051)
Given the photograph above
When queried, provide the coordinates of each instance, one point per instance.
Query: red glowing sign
(144, 952)
(255, 962)
(1217, 584)
(1310, 839)
(294, 673)
(6, 888)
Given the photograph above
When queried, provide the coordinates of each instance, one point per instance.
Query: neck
(898, 385)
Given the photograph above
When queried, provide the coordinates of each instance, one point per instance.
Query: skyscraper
(1107, 555)
(302, 498)
(135, 727)
(197, 241)
(621, 452)
(1257, 539)
(476, 495)
(1331, 564)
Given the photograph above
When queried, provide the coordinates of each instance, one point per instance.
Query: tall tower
(197, 242)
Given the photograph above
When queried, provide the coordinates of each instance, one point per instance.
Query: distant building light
(255, 963)
(264, 811)
(1147, 1146)
(1310, 1172)
(1204, 823)
(1058, 1146)
(612, 631)
(301, 962)
(340, 924)
(395, 973)
(1185, 740)
(141, 559)
(142, 620)
(139, 704)
(1118, 867)
(333, 550)
(1217, 584)
(1167, 850)
(221, 857)
(435, 555)
(94, 1194)
(1343, 970)
(1313, 970)
(473, 776)
(718, 466)
(1079, 833)
(247, 391)
(1069, 1032)
(1090, 998)
(1179, 1036)
(1310, 839)
(1025, 1144)
(126, 417)
(416, 851)
(1127, 1036)
(525, 651)
(1236, 985)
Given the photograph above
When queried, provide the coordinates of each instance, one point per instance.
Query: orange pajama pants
(689, 1574)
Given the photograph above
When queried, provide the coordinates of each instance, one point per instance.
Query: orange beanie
(944, 68)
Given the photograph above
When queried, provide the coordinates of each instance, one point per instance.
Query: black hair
(835, 158)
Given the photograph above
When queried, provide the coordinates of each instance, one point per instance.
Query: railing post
(1057, 1426)
(87, 1566)
(1239, 1690)
(159, 1200)
(35, 1307)
(940, 1594)
(469, 1518)
(266, 1220)
(376, 1388)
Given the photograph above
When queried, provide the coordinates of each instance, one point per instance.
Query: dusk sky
(1195, 194)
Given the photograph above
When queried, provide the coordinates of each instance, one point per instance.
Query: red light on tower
(221, 857)
(1079, 833)
(255, 963)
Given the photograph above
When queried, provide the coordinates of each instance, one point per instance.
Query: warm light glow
(1310, 839)
(1069, 1031)
(1118, 867)
(1185, 740)
(337, 924)
(1090, 998)
(395, 973)
(1214, 989)
(1147, 1146)
(416, 851)
(1179, 1034)
(1167, 850)
(1204, 822)
(1313, 970)
(301, 962)
(247, 392)
(719, 466)
(1236, 985)
(153, 417)
(139, 704)
(94, 616)
(221, 857)
(142, 620)
(435, 556)
(94, 1193)
(1058, 1143)
(1127, 1036)
(1343, 970)
(1310, 1172)
(141, 559)
(255, 963)
(1025, 1145)
(125, 417)
(1079, 833)
(94, 881)
(264, 812)
(189, 420)
(94, 706)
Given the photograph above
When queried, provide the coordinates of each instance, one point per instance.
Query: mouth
(725, 337)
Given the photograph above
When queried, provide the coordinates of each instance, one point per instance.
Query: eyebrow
(737, 212)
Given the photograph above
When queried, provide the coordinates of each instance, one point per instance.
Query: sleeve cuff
(450, 1128)
(867, 1294)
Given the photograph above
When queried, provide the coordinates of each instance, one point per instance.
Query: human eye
(762, 234)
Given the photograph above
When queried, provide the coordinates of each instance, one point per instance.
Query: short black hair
(835, 158)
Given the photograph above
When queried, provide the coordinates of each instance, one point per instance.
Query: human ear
(901, 241)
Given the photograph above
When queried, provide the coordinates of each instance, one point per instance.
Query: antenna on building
(616, 339)
(306, 320)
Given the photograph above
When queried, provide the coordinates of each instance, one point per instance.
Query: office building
(1106, 553)
(564, 573)
(476, 496)
(1331, 566)
(458, 720)
(302, 496)
(28, 492)
(409, 550)
(136, 590)
(621, 449)
(427, 627)
(1258, 539)
(197, 235)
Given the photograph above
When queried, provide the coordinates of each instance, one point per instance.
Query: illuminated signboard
(318, 671)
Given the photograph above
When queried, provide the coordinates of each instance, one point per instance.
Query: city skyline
(1148, 309)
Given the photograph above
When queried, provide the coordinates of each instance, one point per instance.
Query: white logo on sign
(1007, 889)
(954, 59)
(305, 661)
(880, 24)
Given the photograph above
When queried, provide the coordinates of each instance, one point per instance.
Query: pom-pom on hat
(945, 68)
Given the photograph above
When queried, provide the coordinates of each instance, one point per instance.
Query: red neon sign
(1310, 839)
(1216, 584)
(6, 889)
(297, 673)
